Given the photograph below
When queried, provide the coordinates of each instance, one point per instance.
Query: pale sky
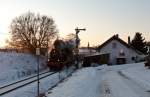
(101, 18)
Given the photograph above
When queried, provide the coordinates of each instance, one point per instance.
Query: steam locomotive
(61, 56)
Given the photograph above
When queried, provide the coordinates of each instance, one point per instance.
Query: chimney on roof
(129, 42)
(117, 35)
(88, 45)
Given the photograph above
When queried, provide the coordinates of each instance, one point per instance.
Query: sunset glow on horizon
(101, 18)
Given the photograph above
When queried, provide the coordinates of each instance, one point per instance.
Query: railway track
(18, 84)
(6, 85)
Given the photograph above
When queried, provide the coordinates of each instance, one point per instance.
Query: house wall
(114, 52)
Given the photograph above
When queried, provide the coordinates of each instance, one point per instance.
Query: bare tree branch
(27, 27)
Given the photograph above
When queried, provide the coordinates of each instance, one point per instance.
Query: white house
(119, 51)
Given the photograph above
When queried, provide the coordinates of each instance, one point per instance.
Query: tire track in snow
(105, 91)
(137, 88)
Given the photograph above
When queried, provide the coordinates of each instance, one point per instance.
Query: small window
(121, 53)
(114, 45)
(133, 58)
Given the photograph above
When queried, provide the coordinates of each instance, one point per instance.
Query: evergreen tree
(148, 47)
(139, 43)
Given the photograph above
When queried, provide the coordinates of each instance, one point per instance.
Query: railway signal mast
(77, 30)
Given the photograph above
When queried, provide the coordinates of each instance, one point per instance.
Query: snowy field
(16, 66)
(130, 80)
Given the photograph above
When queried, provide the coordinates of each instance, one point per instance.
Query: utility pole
(47, 47)
(77, 30)
(38, 68)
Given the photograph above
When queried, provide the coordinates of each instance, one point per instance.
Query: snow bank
(45, 84)
(17, 65)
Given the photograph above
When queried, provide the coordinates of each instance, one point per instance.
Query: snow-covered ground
(83, 83)
(15, 66)
(139, 74)
(130, 80)
(46, 83)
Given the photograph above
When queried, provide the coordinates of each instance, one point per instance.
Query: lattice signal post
(77, 30)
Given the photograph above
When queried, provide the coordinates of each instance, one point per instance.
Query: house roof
(115, 37)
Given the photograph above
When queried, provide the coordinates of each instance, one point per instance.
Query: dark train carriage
(99, 59)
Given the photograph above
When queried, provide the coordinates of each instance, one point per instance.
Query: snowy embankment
(14, 66)
(83, 83)
(45, 84)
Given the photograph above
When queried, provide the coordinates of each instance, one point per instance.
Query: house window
(133, 58)
(121, 53)
(114, 45)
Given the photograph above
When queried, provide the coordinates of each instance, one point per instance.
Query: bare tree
(26, 28)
